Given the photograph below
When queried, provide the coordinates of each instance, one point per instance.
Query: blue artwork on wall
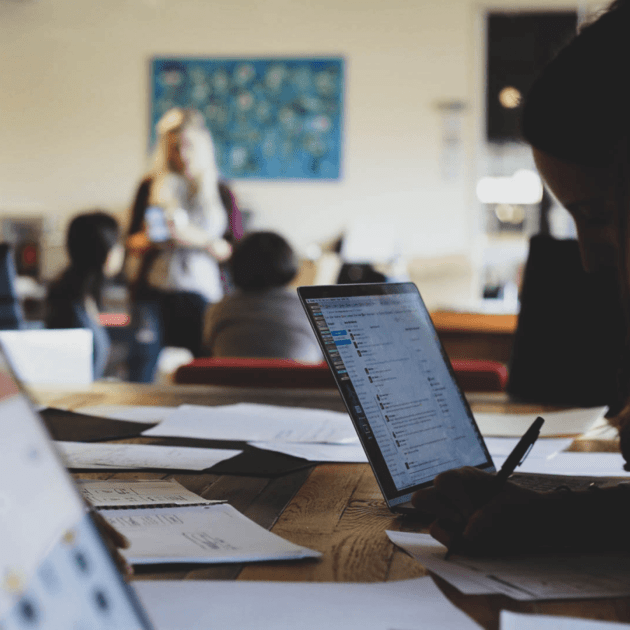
(270, 118)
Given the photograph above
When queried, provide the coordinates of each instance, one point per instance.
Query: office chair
(472, 375)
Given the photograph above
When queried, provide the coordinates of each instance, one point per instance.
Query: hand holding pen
(479, 512)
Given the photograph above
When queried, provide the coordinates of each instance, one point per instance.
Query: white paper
(250, 422)
(347, 453)
(206, 534)
(116, 456)
(549, 576)
(576, 464)
(557, 423)
(133, 492)
(131, 413)
(242, 605)
(520, 621)
(501, 447)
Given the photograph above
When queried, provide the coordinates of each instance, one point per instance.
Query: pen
(514, 459)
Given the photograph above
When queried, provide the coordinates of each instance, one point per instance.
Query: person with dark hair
(262, 318)
(577, 119)
(74, 299)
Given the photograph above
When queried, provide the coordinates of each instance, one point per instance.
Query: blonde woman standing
(175, 241)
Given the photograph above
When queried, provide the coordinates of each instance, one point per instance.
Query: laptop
(55, 569)
(397, 384)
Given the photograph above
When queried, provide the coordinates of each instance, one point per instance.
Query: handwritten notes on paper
(202, 534)
(116, 456)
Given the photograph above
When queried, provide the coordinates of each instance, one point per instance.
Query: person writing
(576, 119)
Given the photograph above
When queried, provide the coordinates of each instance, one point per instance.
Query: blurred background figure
(176, 242)
(263, 318)
(74, 299)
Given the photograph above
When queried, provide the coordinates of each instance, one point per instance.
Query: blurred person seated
(263, 318)
(74, 299)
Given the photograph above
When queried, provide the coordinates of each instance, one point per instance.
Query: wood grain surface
(336, 509)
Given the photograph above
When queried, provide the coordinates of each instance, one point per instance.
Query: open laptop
(397, 383)
(56, 572)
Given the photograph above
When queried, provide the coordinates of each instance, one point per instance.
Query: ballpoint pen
(514, 459)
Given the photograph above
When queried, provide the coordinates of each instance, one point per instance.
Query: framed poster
(275, 118)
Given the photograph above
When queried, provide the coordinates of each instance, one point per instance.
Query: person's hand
(470, 517)
(220, 249)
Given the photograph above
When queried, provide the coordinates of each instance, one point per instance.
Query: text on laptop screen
(384, 348)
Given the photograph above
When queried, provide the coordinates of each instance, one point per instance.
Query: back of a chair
(472, 375)
(11, 315)
(570, 334)
(241, 372)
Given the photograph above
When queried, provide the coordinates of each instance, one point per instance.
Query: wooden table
(336, 509)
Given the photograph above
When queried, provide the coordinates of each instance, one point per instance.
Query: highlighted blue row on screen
(339, 333)
(343, 342)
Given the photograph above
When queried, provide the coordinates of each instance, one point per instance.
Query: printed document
(245, 422)
(130, 413)
(202, 534)
(136, 493)
(242, 605)
(115, 456)
(535, 577)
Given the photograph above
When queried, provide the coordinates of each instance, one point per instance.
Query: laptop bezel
(397, 500)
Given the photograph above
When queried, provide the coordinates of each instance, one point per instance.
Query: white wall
(74, 105)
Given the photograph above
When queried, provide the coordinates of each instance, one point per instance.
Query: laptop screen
(55, 570)
(397, 383)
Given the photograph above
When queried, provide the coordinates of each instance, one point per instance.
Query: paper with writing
(203, 534)
(117, 456)
(137, 493)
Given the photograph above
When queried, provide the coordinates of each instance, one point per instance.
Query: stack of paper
(519, 621)
(202, 534)
(136, 493)
(548, 576)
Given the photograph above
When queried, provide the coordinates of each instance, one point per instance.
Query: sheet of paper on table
(577, 464)
(353, 453)
(557, 423)
(241, 605)
(345, 453)
(520, 621)
(250, 422)
(202, 534)
(138, 493)
(543, 447)
(131, 413)
(99, 456)
(567, 576)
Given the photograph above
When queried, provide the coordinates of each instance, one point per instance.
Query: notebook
(55, 569)
(397, 384)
